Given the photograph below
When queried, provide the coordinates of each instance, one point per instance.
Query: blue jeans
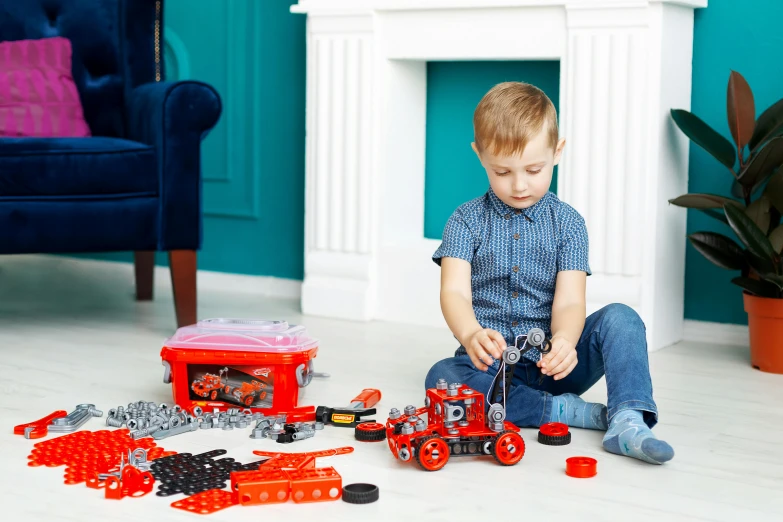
(613, 343)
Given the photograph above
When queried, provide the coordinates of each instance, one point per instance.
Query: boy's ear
(475, 149)
(559, 150)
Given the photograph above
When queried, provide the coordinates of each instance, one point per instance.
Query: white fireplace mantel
(624, 65)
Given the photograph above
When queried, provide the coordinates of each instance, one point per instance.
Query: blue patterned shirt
(515, 256)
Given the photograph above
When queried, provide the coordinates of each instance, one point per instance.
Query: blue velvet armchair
(135, 185)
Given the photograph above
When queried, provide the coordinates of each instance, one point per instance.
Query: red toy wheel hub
(509, 448)
(554, 429)
(581, 467)
(370, 432)
(554, 434)
(433, 453)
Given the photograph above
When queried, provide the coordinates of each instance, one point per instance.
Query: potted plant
(752, 212)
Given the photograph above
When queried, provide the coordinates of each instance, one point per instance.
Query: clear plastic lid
(242, 334)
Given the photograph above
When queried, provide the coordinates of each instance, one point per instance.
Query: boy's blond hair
(509, 115)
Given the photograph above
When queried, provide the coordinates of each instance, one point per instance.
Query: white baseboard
(716, 333)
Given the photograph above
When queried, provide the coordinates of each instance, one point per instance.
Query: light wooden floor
(71, 333)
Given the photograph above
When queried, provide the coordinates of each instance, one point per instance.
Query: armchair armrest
(174, 117)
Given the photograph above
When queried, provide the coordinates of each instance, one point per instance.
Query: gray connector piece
(74, 420)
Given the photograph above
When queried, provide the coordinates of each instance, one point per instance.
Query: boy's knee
(623, 316)
(444, 369)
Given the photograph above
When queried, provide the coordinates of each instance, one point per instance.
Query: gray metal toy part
(533, 344)
(74, 420)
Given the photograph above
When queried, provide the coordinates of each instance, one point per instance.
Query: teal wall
(729, 35)
(453, 172)
(253, 53)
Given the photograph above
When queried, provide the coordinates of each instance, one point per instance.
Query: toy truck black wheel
(433, 453)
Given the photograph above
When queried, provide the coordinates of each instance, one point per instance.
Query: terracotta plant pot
(765, 322)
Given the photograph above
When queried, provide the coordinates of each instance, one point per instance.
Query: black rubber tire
(369, 435)
(360, 493)
(551, 440)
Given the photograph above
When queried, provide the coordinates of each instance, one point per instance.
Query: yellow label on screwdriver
(343, 418)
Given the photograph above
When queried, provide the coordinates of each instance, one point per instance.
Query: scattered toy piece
(39, 428)
(581, 467)
(360, 493)
(370, 432)
(554, 434)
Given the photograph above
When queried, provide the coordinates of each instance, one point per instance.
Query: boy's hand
(561, 360)
(484, 345)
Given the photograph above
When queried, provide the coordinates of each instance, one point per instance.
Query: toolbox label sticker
(248, 386)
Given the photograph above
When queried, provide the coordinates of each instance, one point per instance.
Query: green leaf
(705, 136)
(714, 214)
(700, 201)
(740, 109)
(761, 265)
(769, 124)
(720, 250)
(758, 211)
(759, 288)
(774, 190)
(751, 236)
(736, 189)
(763, 164)
(776, 238)
(775, 279)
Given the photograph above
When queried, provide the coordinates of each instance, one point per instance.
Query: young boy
(517, 258)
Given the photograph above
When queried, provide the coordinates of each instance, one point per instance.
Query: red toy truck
(455, 426)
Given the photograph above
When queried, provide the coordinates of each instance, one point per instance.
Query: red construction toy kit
(232, 373)
(455, 426)
(225, 363)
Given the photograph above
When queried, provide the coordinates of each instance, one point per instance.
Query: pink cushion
(38, 97)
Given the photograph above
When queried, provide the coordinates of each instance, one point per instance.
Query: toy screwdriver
(350, 416)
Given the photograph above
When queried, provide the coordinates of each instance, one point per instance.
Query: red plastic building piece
(207, 502)
(39, 428)
(289, 476)
(133, 483)
(581, 467)
(88, 455)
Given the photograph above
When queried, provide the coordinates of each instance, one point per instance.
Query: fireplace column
(338, 180)
(623, 71)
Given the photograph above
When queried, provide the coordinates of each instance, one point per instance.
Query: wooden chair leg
(183, 281)
(144, 266)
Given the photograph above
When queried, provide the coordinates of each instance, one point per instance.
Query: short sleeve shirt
(515, 255)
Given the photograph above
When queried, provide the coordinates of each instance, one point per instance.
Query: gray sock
(629, 435)
(572, 410)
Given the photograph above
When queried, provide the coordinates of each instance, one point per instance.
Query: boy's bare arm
(568, 320)
(456, 302)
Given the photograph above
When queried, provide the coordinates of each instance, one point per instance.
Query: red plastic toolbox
(238, 363)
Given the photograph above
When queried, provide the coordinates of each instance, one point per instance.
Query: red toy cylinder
(581, 467)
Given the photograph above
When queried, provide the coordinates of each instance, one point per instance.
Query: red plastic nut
(581, 467)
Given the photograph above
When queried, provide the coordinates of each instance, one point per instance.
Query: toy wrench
(39, 428)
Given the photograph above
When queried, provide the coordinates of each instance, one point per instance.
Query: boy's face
(520, 181)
